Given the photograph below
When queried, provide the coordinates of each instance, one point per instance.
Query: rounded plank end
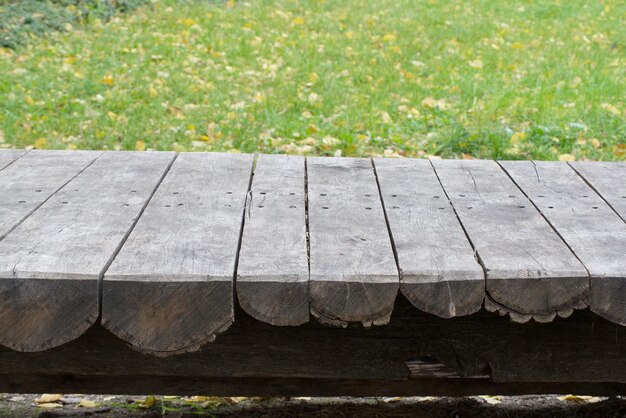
(445, 298)
(539, 296)
(608, 298)
(167, 317)
(40, 314)
(278, 303)
(522, 318)
(340, 303)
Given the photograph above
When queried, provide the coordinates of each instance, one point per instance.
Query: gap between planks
(568, 312)
(125, 238)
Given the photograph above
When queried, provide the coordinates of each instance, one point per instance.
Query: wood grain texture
(170, 288)
(354, 277)
(273, 272)
(439, 273)
(31, 180)
(530, 271)
(51, 264)
(593, 231)
(608, 179)
(8, 156)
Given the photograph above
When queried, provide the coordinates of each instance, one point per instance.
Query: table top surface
(160, 247)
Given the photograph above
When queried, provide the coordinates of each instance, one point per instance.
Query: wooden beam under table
(415, 354)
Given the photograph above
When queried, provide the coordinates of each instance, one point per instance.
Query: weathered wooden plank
(608, 179)
(530, 270)
(51, 264)
(273, 271)
(353, 274)
(31, 180)
(593, 231)
(439, 273)
(170, 288)
(8, 156)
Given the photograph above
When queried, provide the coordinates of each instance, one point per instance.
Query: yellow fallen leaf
(566, 157)
(50, 405)
(297, 21)
(492, 400)
(611, 108)
(595, 142)
(390, 37)
(580, 398)
(39, 144)
(237, 399)
(140, 146)
(477, 64)
(148, 402)
(108, 80)
(198, 399)
(86, 403)
(518, 136)
(432, 103)
(48, 398)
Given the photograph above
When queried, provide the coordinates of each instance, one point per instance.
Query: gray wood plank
(608, 179)
(530, 271)
(594, 232)
(273, 271)
(170, 288)
(51, 265)
(439, 273)
(31, 180)
(354, 277)
(7, 156)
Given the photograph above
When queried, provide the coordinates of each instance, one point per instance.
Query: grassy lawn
(488, 79)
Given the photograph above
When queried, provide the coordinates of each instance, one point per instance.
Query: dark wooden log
(465, 355)
(246, 386)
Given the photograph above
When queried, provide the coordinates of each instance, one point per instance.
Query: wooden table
(120, 264)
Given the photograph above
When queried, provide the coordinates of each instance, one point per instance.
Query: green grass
(490, 79)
